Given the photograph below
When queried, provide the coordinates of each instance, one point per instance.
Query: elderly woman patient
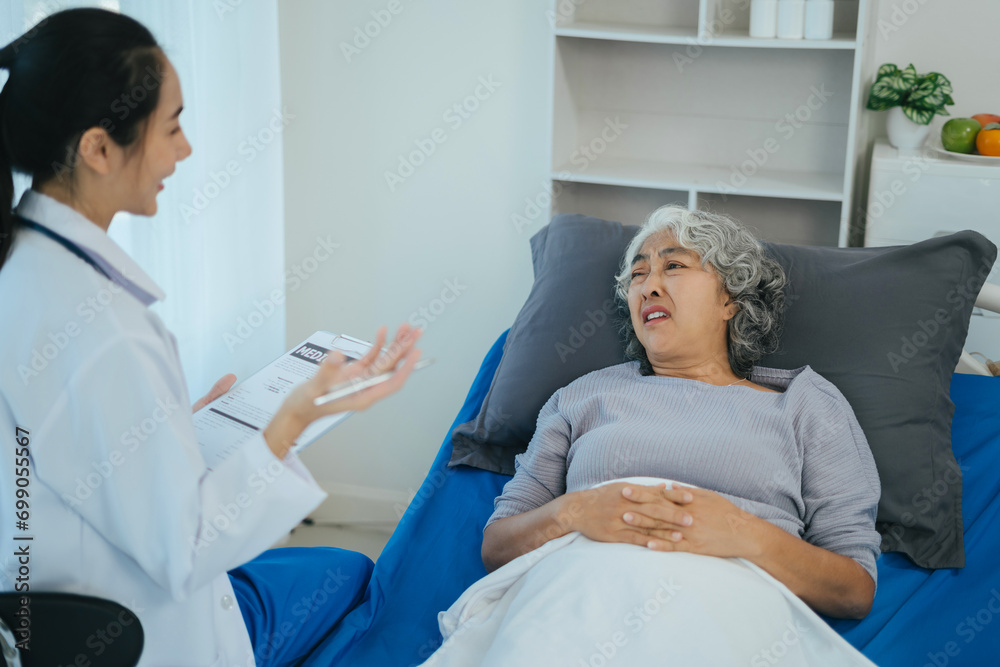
(783, 474)
(767, 516)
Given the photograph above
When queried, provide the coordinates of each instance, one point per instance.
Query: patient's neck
(713, 369)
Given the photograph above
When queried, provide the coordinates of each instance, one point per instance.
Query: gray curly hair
(751, 278)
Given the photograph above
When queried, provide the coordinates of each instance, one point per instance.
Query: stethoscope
(66, 243)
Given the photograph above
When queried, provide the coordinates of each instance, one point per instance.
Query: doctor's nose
(185, 149)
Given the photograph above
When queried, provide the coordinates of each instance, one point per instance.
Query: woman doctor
(86, 368)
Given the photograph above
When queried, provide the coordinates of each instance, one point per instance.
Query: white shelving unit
(658, 101)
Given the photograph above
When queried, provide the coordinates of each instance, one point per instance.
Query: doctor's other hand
(224, 384)
(298, 410)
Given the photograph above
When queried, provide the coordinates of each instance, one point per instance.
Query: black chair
(46, 629)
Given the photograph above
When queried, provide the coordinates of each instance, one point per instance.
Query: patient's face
(678, 308)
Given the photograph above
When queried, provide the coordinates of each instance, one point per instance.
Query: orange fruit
(988, 140)
(986, 118)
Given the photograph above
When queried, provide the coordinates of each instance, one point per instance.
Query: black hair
(76, 69)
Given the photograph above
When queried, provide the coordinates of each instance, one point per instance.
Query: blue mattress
(920, 617)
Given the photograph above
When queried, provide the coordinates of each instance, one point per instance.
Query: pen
(354, 386)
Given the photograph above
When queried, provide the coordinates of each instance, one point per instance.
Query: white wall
(448, 221)
(957, 38)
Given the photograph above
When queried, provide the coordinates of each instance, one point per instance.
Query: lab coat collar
(92, 240)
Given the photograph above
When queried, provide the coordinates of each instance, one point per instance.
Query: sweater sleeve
(540, 472)
(840, 483)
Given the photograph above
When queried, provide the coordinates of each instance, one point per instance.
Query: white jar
(791, 19)
(819, 19)
(764, 18)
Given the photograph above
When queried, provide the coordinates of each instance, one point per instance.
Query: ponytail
(66, 75)
(6, 207)
(6, 172)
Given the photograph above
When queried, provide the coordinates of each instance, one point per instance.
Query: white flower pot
(903, 132)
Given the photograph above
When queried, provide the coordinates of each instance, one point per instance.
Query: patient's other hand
(629, 513)
(718, 527)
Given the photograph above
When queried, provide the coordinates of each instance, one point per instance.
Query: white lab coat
(121, 504)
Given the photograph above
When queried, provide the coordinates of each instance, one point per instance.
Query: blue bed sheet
(920, 617)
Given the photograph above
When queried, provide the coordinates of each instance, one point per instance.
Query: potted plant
(912, 100)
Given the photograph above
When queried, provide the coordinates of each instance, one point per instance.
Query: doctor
(94, 410)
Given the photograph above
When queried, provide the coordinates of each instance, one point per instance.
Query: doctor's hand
(224, 384)
(298, 410)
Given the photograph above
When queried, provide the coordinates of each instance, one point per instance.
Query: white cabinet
(914, 196)
(671, 101)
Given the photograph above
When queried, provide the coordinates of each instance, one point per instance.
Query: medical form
(229, 421)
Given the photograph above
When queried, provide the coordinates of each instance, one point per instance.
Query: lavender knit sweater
(797, 458)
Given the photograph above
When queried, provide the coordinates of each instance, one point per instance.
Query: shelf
(625, 32)
(659, 102)
(629, 206)
(819, 186)
(780, 219)
(839, 41)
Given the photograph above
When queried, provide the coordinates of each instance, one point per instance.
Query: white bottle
(819, 19)
(764, 18)
(791, 19)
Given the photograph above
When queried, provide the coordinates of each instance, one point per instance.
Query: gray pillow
(885, 325)
(565, 329)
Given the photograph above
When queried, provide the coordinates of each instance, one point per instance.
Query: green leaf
(885, 70)
(901, 82)
(884, 91)
(943, 81)
(931, 98)
(948, 100)
(876, 104)
(879, 103)
(898, 83)
(904, 80)
(919, 116)
(939, 81)
(922, 89)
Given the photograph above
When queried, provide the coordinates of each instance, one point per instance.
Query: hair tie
(8, 55)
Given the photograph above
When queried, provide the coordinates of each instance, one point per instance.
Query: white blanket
(582, 603)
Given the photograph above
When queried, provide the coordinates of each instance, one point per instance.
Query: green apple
(959, 135)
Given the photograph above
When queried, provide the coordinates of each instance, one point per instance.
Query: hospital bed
(920, 616)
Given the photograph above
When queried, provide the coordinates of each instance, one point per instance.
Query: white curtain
(216, 246)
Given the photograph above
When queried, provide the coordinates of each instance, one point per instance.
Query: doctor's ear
(95, 150)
